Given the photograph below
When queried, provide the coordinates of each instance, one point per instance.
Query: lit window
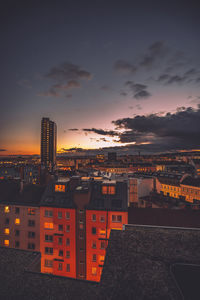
(6, 209)
(94, 271)
(17, 221)
(59, 188)
(101, 258)
(7, 231)
(6, 243)
(48, 225)
(102, 231)
(108, 189)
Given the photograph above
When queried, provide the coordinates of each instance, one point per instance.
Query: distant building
(48, 143)
(112, 156)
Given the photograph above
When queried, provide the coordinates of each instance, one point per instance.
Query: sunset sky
(109, 73)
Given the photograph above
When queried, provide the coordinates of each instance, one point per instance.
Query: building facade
(48, 143)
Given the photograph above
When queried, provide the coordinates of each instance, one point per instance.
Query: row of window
(31, 223)
(49, 214)
(30, 211)
(31, 234)
(30, 246)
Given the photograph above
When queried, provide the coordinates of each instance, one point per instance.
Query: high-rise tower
(48, 143)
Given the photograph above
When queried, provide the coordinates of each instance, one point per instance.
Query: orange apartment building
(75, 222)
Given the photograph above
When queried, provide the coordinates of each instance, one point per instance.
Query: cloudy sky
(109, 73)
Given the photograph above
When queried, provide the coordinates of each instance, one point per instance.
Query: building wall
(103, 223)
(62, 259)
(20, 225)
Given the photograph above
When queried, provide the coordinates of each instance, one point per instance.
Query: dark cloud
(65, 76)
(173, 131)
(73, 129)
(101, 131)
(105, 88)
(68, 71)
(69, 85)
(50, 93)
(25, 83)
(68, 96)
(155, 52)
(139, 90)
(124, 67)
(123, 94)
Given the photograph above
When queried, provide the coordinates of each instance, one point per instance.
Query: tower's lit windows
(17, 221)
(6, 209)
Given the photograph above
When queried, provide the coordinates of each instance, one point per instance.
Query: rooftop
(140, 263)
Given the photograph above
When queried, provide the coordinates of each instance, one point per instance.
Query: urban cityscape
(100, 151)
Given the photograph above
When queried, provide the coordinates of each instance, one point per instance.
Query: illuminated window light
(7, 231)
(6, 243)
(6, 209)
(17, 221)
(94, 271)
(48, 225)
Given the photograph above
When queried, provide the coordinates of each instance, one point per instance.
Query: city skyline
(109, 75)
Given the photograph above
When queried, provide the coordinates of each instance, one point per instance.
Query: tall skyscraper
(48, 143)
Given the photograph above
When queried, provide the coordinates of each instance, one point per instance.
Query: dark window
(60, 215)
(94, 230)
(31, 246)
(48, 250)
(59, 241)
(68, 268)
(81, 211)
(103, 245)
(48, 263)
(17, 244)
(7, 221)
(67, 242)
(60, 253)
(48, 238)
(67, 215)
(17, 232)
(102, 219)
(94, 258)
(94, 244)
(67, 254)
(116, 218)
(31, 223)
(60, 266)
(93, 217)
(48, 213)
(60, 227)
(31, 234)
(67, 228)
(17, 210)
